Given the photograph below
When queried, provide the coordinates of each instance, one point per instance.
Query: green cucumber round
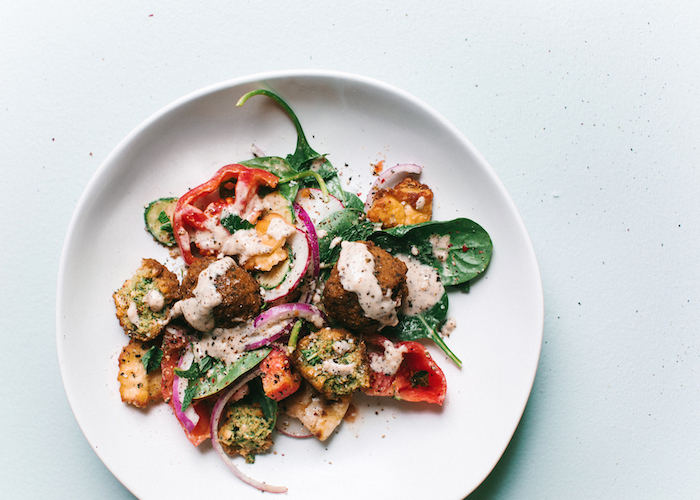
(158, 217)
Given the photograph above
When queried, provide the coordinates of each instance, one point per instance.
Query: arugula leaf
(152, 358)
(233, 223)
(467, 255)
(425, 325)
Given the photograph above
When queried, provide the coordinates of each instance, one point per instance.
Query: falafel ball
(240, 293)
(334, 361)
(144, 300)
(344, 306)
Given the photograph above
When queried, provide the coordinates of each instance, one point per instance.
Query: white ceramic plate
(393, 449)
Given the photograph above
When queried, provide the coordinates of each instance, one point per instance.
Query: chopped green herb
(233, 223)
(151, 360)
(420, 379)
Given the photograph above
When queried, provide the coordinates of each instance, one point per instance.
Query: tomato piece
(188, 216)
(278, 379)
(418, 377)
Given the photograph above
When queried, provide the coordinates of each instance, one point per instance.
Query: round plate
(392, 448)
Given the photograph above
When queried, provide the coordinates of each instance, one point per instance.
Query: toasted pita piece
(137, 387)
(318, 414)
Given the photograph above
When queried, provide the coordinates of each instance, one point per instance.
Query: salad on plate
(285, 295)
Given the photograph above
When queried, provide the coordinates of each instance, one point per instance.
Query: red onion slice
(292, 310)
(189, 417)
(315, 263)
(216, 418)
(270, 334)
(387, 179)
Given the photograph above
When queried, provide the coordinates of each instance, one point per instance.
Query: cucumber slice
(278, 204)
(276, 276)
(158, 217)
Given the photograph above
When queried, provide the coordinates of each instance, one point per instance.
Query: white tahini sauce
(197, 310)
(154, 300)
(356, 272)
(449, 327)
(389, 363)
(441, 245)
(280, 229)
(244, 243)
(424, 287)
(133, 313)
(420, 203)
(335, 368)
(226, 344)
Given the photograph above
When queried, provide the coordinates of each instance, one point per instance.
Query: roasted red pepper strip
(418, 378)
(187, 215)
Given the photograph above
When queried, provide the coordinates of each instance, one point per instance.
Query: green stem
(307, 173)
(435, 337)
(294, 336)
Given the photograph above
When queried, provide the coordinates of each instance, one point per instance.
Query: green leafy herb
(233, 223)
(163, 217)
(467, 255)
(256, 395)
(152, 358)
(311, 356)
(420, 379)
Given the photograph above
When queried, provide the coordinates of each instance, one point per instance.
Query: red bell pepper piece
(188, 215)
(418, 378)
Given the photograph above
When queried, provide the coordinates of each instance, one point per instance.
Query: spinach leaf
(465, 256)
(425, 326)
(306, 165)
(349, 225)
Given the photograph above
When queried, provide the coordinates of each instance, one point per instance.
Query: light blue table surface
(589, 112)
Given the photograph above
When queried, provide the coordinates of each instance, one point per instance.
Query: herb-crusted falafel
(144, 301)
(334, 362)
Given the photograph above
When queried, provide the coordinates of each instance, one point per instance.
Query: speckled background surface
(588, 112)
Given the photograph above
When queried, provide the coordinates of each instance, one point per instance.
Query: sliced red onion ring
(216, 418)
(292, 310)
(270, 334)
(189, 417)
(388, 178)
(315, 263)
(292, 427)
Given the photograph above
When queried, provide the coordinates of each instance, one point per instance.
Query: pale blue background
(588, 111)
